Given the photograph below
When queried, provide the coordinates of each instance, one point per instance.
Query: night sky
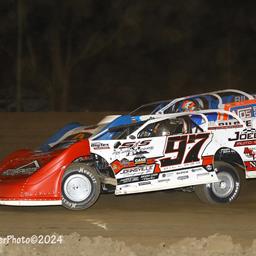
(101, 55)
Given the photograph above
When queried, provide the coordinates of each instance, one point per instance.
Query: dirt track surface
(150, 220)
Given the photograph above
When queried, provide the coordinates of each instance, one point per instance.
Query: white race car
(198, 150)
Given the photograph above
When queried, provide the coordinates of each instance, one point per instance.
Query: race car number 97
(183, 140)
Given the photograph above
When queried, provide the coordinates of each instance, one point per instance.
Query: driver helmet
(162, 129)
(188, 106)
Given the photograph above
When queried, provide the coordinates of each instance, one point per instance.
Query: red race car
(34, 178)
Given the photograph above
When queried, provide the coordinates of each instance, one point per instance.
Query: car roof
(216, 94)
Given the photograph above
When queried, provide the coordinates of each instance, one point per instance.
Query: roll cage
(200, 121)
(188, 122)
(203, 101)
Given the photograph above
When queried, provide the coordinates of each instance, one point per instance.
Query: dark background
(103, 55)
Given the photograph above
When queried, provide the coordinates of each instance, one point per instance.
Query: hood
(27, 161)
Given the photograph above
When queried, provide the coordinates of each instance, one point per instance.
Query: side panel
(158, 163)
(246, 110)
(45, 183)
(242, 141)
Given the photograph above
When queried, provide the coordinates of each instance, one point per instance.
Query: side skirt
(30, 202)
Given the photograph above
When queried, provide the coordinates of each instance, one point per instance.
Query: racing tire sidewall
(92, 177)
(224, 167)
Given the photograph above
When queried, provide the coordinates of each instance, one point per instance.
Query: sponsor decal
(140, 160)
(245, 143)
(250, 152)
(229, 123)
(132, 144)
(129, 180)
(196, 170)
(115, 167)
(227, 151)
(202, 174)
(180, 167)
(27, 169)
(126, 186)
(133, 179)
(137, 170)
(184, 177)
(239, 98)
(245, 138)
(99, 146)
(133, 151)
(168, 174)
(164, 180)
(132, 148)
(125, 162)
(250, 165)
(144, 183)
(181, 172)
(149, 176)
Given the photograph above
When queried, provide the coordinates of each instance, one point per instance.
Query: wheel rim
(77, 187)
(225, 186)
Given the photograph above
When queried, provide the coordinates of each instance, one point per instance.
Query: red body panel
(45, 183)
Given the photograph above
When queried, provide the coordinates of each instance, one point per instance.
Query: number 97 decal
(183, 141)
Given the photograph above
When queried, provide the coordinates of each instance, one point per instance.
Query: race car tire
(225, 191)
(81, 186)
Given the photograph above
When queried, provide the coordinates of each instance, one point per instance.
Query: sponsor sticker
(125, 162)
(245, 138)
(137, 170)
(168, 174)
(196, 169)
(132, 148)
(181, 172)
(140, 160)
(144, 183)
(99, 146)
(202, 174)
(250, 152)
(133, 179)
(164, 180)
(184, 177)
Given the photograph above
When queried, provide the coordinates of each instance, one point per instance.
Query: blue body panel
(205, 101)
(56, 136)
(250, 110)
(121, 120)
